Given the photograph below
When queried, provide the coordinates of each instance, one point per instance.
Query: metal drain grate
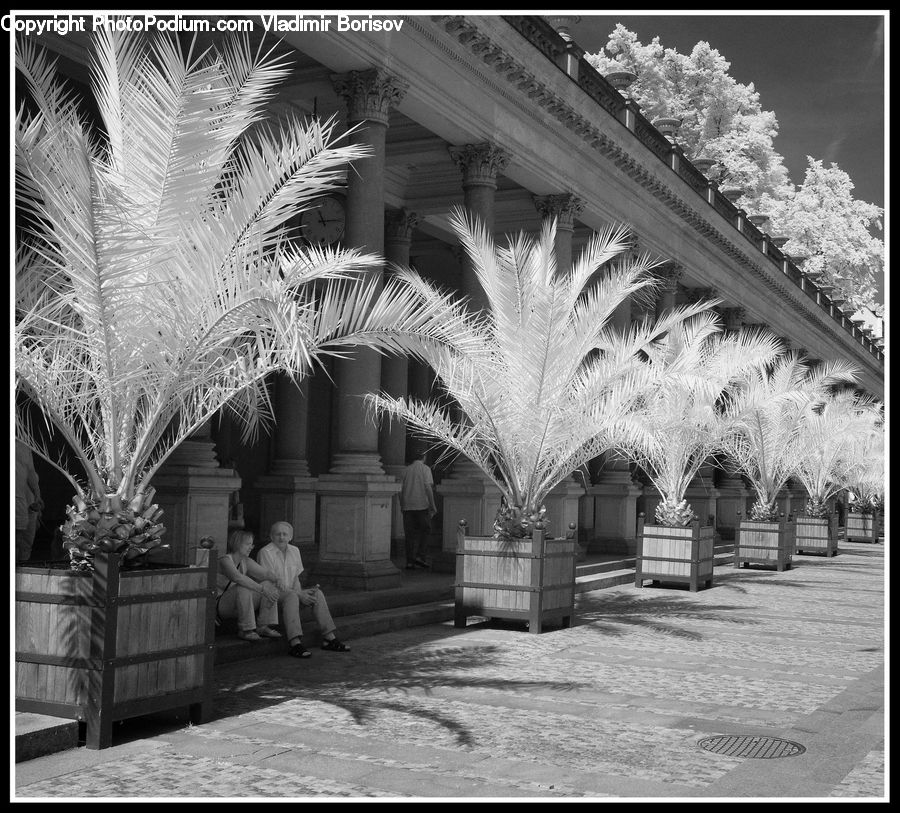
(752, 747)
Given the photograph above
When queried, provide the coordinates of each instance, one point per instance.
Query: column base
(357, 575)
(288, 498)
(733, 497)
(356, 463)
(355, 531)
(196, 501)
(615, 515)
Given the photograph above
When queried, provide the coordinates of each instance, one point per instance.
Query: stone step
(40, 734)
(231, 649)
(603, 579)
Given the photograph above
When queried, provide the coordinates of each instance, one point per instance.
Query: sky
(821, 74)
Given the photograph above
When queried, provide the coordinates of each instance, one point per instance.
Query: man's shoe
(268, 632)
(421, 563)
(334, 645)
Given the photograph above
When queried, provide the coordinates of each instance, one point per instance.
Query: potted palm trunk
(828, 432)
(763, 416)
(677, 426)
(536, 387)
(155, 284)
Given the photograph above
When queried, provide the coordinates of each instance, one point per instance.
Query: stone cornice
(515, 73)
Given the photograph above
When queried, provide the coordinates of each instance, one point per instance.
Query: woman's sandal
(334, 645)
(299, 651)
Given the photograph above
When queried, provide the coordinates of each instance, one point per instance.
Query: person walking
(28, 502)
(418, 507)
(284, 559)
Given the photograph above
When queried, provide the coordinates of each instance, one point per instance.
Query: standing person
(418, 507)
(246, 587)
(280, 557)
(28, 502)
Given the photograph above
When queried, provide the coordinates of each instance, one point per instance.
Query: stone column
(467, 493)
(670, 272)
(734, 496)
(288, 492)
(356, 494)
(398, 231)
(562, 502)
(195, 495)
(565, 208)
(615, 492)
(480, 165)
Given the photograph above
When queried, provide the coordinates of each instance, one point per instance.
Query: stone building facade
(502, 115)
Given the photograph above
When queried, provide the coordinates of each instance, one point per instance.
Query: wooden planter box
(817, 535)
(681, 555)
(861, 527)
(531, 579)
(765, 543)
(108, 645)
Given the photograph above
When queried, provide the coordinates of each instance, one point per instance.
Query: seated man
(280, 557)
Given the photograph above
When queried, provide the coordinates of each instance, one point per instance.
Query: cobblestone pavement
(614, 707)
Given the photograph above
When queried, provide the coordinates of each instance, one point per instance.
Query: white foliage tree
(833, 231)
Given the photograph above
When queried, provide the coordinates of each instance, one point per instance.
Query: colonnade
(354, 504)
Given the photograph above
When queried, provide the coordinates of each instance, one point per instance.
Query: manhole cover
(752, 747)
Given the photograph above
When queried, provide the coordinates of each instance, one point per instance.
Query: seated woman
(245, 588)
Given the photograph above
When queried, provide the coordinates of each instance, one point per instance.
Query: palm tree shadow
(737, 581)
(612, 615)
(366, 688)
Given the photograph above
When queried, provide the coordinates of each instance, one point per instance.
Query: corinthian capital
(369, 94)
(399, 224)
(480, 163)
(565, 208)
(669, 273)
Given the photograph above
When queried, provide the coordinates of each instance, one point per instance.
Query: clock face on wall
(324, 225)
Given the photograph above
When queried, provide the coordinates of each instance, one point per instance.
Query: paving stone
(613, 707)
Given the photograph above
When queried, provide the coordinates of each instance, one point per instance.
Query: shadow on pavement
(613, 614)
(370, 679)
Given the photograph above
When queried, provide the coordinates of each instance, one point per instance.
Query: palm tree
(830, 431)
(156, 282)
(678, 424)
(546, 378)
(865, 476)
(763, 415)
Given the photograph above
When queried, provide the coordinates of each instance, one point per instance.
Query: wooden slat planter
(764, 543)
(530, 579)
(816, 535)
(861, 527)
(680, 555)
(108, 645)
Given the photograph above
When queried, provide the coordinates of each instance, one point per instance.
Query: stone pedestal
(562, 504)
(734, 496)
(195, 496)
(615, 513)
(702, 496)
(287, 496)
(355, 532)
(563, 507)
(466, 494)
(398, 535)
